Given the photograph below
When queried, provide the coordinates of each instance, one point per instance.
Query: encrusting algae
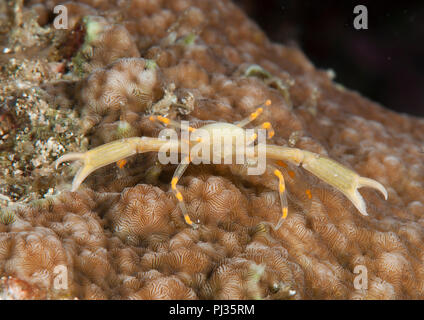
(121, 235)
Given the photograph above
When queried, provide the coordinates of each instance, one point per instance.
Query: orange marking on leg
(280, 177)
(291, 173)
(188, 220)
(268, 127)
(282, 163)
(278, 173)
(174, 183)
(253, 137)
(308, 193)
(163, 119)
(121, 163)
(255, 114)
(283, 199)
(268, 103)
(285, 212)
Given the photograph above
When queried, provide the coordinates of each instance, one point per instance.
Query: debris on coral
(121, 235)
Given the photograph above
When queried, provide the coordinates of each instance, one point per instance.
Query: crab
(335, 174)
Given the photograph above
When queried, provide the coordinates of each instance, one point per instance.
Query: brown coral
(127, 240)
(128, 86)
(142, 213)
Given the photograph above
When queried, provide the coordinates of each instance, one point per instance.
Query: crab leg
(109, 153)
(268, 127)
(168, 122)
(342, 178)
(283, 198)
(177, 176)
(253, 115)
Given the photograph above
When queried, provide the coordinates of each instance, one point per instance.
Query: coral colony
(212, 163)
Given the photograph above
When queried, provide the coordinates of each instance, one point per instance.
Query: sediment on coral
(121, 235)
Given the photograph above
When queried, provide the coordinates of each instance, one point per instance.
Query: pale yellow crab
(342, 178)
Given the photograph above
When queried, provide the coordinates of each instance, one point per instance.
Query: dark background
(385, 63)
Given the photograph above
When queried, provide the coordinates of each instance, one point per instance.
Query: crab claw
(99, 157)
(82, 173)
(335, 174)
(356, 197)
(109, 153)
(342, 178)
